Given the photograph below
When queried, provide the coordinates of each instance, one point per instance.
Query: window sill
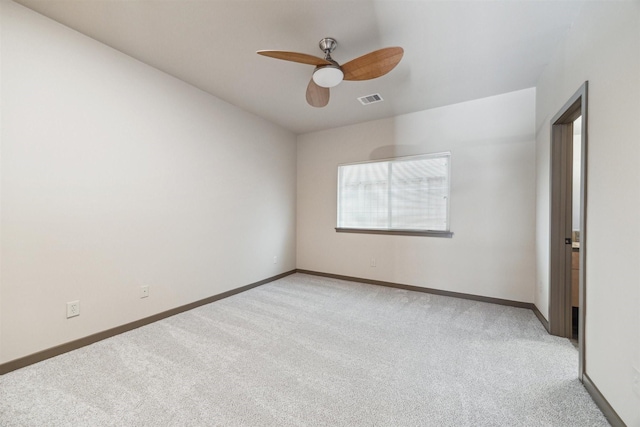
(425, 233)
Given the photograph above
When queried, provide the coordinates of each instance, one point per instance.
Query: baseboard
(540, 317)
(491, 300)
(81, 342)
(602, 403)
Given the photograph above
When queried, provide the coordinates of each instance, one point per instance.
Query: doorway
(568, 228)
(576, 213)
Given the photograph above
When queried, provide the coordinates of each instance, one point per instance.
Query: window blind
(407, 193)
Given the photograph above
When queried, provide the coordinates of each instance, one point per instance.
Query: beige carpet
(311, 351)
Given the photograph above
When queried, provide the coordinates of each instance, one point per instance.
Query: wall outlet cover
(73, 309)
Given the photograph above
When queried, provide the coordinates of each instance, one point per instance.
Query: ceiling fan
(329, 73)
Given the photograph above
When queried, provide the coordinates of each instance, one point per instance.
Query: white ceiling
(454, 50)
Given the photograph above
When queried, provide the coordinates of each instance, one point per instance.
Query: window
(406, 195)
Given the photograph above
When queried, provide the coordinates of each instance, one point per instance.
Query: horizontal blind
(419, 192)
(363, 193)
(409, 193)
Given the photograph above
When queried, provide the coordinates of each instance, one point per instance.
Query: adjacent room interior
(151, 162)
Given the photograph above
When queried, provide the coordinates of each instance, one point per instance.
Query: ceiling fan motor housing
(328, 44)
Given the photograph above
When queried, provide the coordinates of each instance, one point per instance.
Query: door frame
(561, 177)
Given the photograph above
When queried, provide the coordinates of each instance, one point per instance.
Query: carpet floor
(313, 351)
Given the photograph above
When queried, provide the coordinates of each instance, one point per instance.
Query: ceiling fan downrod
(327, 45)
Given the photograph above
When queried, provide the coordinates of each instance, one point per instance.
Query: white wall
(492, 199)
(115, 175)
(603, 47)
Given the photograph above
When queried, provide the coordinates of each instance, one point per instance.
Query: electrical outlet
(636, 381)
(373, 262)
(144, 291)
(275, 259)
(73, 309)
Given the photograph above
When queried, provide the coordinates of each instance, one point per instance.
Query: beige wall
(492, 199)
(602, 47)
(115, 175)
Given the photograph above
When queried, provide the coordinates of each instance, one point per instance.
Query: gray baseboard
(540, 317)
(608, 411)
(81, 342)
(491, 300)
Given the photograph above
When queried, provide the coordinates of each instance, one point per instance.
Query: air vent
(370, 99)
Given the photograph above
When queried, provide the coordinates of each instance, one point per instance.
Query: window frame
(395, 231)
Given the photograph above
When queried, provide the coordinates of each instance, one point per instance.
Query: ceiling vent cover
(370, 99)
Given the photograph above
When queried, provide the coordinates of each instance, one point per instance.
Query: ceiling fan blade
(372, 65)
(317, 96)
(302, 58)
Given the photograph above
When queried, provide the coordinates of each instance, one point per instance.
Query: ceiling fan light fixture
(328, 76)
